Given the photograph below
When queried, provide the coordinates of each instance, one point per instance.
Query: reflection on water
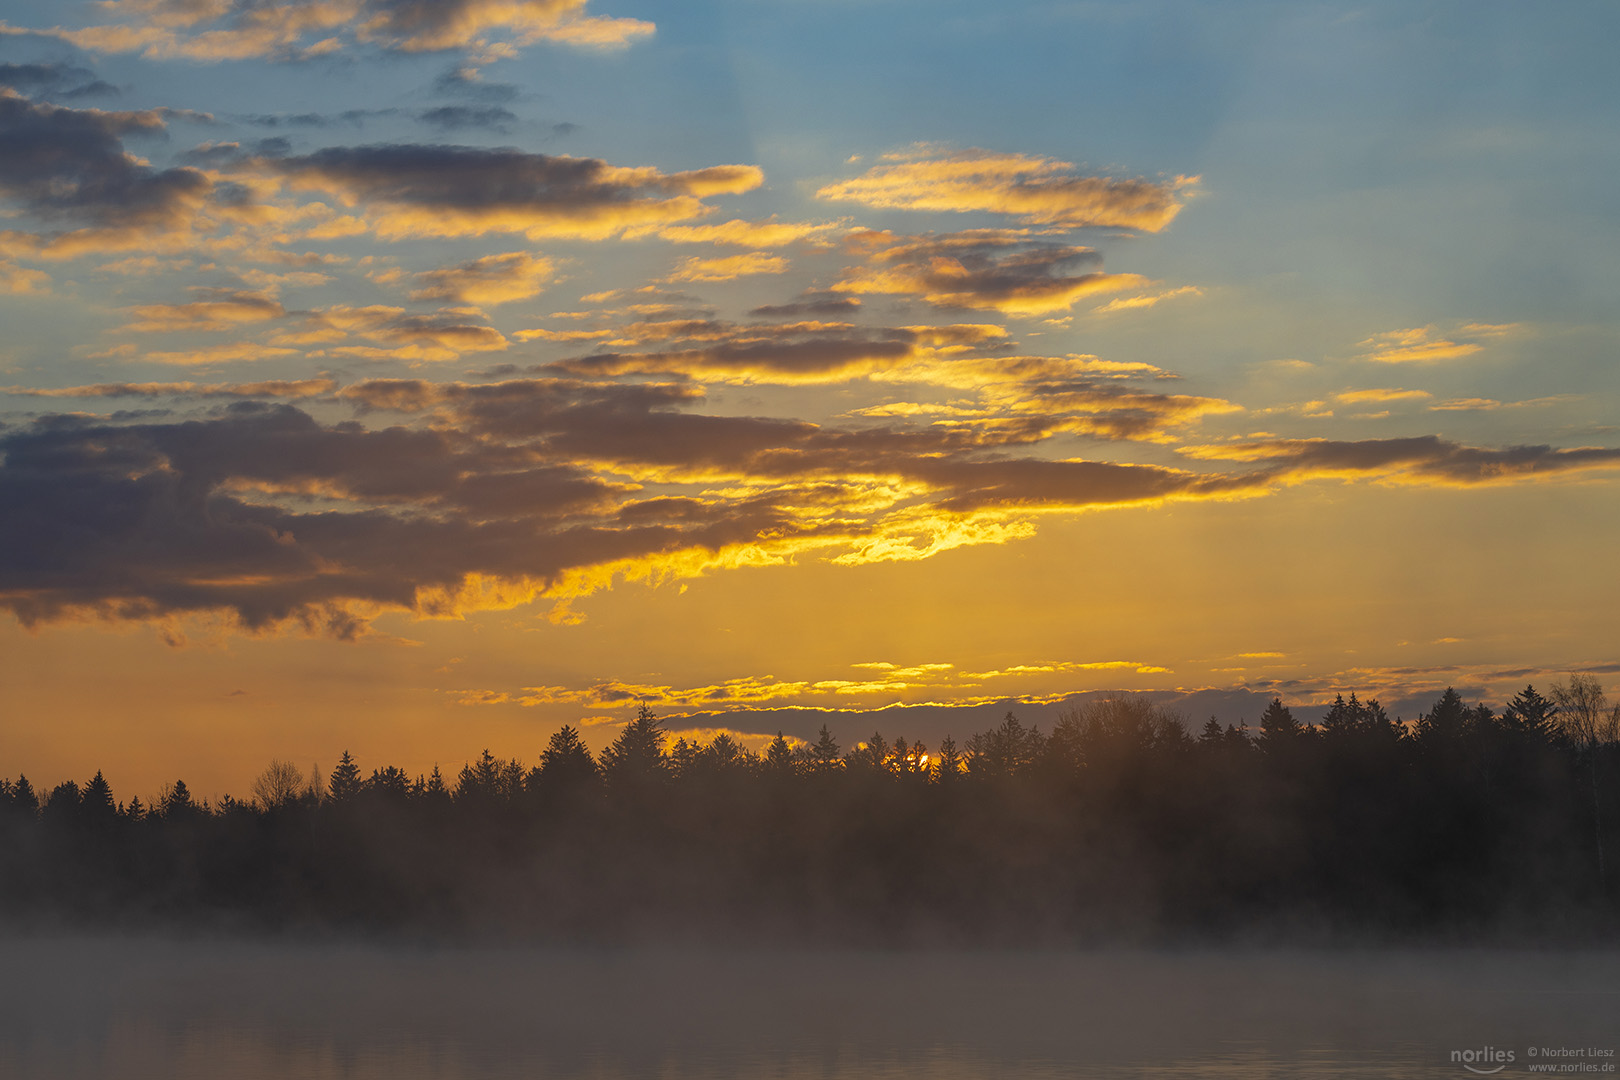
(138, 1009)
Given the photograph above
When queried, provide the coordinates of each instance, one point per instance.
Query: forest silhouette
(1117, 825)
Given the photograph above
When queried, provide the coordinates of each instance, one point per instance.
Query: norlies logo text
(1486, 1055)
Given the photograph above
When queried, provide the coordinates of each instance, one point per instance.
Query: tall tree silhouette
(948, 769)
(1532, 715)
(344, 783)
(62, 804)
(637, 755)
(1443, 726)
(825, 755)
(22, 800)
(1278, 727)
(96, 805)
(780, 761)
(176, 801)
(566, 760)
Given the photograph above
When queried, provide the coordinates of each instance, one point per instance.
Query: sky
(417, 376)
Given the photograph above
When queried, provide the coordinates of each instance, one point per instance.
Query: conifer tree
(869, 756)
(948, 767)
(435, 790)
(825, 755)
(1278, 727)
(1532, 715)
(176, 801)
(779, 758)
(1445, 722)
(96, 805)
(62, 804)
(566, 759)
(344, 783)
(638, 753)
(1005, 750)
(23, 798)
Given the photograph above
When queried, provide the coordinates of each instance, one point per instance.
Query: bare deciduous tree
(280, 783)
(1585, 717)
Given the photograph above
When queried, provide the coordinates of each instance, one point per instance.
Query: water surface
(138, 1009)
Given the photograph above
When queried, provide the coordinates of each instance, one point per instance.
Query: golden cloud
(1419, 345)
(1357, 397)
(439, 336)
(727, 268)
(750, 234)
(217, 30)
(223, 310)
(236, 352)
(1037, 191)
(1146, 300)
(985, 269)
(16, 280)
(492, 280)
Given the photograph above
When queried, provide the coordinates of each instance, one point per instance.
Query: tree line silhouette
(1118, 823)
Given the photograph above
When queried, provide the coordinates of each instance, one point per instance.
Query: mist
(131, 1009)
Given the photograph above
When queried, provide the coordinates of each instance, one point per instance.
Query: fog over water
(128, 1009)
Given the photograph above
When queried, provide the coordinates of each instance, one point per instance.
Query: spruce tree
(1278, 727)
(344, 783)
(1531, 715)
(566, 758)
(96, 805)
(825, 755)
(637, 755)
(779, 758)
(948, 767)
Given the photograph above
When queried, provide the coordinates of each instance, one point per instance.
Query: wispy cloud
(492, 279)
(727, 267)
(1034, 190)
(1426, 344)
(984, 269)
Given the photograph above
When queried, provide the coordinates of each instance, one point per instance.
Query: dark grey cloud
(134, 520)
(466, 83)
(347, 118)
(813, 350)
(436, 189)
(1428, 458)
(266, 512)
(65, 82)
(473, 177)
(234, 513)
(210, 154)
(62, 162)
(979, 269)
(464, 117)
(812, 305)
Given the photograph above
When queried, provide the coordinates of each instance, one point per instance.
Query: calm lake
(146, 1008)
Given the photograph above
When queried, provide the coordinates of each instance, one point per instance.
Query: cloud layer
(220, 30)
